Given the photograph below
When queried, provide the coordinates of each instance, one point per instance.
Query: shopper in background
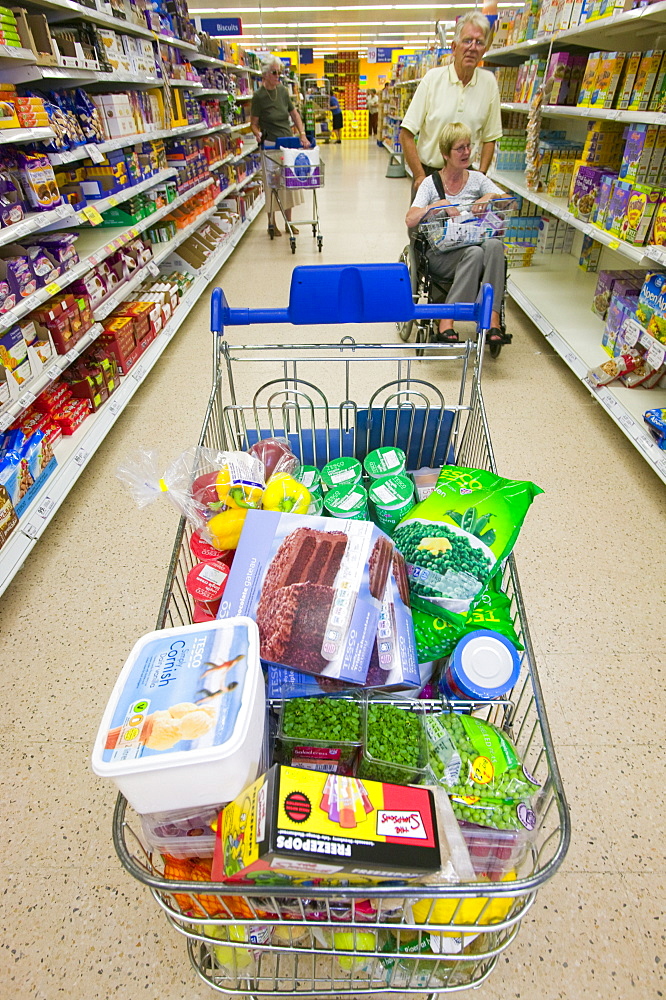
(334, 105)
(372, 102)
(469, 266)
(271, 117)
(458, 92)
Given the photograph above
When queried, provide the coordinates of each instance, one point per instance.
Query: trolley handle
(499, 204)
(351, 293)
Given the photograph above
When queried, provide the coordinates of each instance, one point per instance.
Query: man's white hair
(474, 19)
(269, 63)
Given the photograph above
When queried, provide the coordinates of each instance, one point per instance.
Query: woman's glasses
(461, 149)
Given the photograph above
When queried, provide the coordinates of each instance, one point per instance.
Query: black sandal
(447, 337)
(495, 336)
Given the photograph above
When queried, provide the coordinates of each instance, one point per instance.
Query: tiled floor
(591, 558)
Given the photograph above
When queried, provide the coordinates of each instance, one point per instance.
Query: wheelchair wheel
(408, 327)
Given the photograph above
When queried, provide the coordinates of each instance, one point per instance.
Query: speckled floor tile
(590, 849)
(630, 805)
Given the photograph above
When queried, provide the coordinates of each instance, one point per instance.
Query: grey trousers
(470, 267)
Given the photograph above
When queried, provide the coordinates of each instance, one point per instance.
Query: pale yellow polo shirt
(441, 98)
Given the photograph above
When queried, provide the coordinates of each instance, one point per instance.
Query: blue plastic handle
(351, 293)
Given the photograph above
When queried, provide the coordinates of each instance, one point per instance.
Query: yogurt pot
(205, 552)
(341, 472)
(484, 665)
(386, 461)
(310, 476)
(184, 725)
(206, 582)
(390, 499)
(316, 503)
(348, 501)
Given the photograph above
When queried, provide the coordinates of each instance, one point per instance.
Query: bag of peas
(438, 630)
(481, 770)
(454, 540)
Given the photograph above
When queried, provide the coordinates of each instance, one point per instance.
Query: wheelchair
(424, 285)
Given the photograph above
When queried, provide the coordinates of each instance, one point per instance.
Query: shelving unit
(35, 222)
(555, 293)
(74, 453)
(104, 204)
(71, 155)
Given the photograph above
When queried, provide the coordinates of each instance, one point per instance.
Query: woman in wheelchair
(467, 267)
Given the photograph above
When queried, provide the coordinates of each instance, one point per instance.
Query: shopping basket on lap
(314, 939)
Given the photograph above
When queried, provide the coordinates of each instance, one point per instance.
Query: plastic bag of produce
(454, 540)
(481, 770)
(438, 630)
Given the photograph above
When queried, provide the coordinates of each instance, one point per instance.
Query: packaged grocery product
(275, 454)
(341, 472)
(483, 666)
(585, 190)
(394, 745)
(314, 586)
(610, 370)
(185, 721)
(656, 421)
(651, 309)
(387, 461)
(322, 734)
(348, 501)
(425, 480)
(182, 833)
(390, 499)
(299, 822)
(454, 540)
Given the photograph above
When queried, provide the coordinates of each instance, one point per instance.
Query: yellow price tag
(614, 244)
(133, 233)
(113, 202)
(53, 288)
(92, 215)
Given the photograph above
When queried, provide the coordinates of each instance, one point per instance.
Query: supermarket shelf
(54, 75)
(202, 130)
(221, 163)
(71, 10)
(408, 83)
(177, 43)
(242, 126)
(212, 92)
(212, 61)
(104, 204)
(191, 84)
(611, 114)
(32, 388)
(515, 181)
(35, 222)
(626, 30)
(92, 252)
(555, 294)
(395, 152)
(243, 97)
(248, 148)
(74, 453)
(246, 180)
(14, 54)
(18, 135)
(81, 152)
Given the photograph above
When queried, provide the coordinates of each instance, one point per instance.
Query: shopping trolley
(281, 178)
(445, 228)
(317, 107)
(286, 938)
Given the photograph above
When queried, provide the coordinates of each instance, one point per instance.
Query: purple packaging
(602, 293)
(559, 71)
(585, 191)
(617, 207)
(605, 194)
(620, 309)
(314, 586)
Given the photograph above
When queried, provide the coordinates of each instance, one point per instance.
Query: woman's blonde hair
(451, 134)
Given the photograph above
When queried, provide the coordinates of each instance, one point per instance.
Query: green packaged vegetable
(455, 540)
(481, 770)
(438, 630)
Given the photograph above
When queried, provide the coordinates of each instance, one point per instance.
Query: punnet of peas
(394, 747)
(328, 720)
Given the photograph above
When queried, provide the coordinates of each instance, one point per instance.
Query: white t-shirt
(477, 185)
(441, 98)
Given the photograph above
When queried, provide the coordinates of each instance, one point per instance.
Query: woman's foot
(274, 230)
(494, 336)
(295, 231)
(447, 337)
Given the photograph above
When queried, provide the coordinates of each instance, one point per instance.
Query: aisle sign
(379, 54)
(306, 56)
(222, 26)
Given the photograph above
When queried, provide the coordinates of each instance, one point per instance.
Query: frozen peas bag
(454, 540)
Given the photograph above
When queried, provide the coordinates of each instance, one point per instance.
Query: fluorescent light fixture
(353, 7)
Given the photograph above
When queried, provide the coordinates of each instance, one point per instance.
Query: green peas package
(481, 770)
(454, 540)
(437, 631)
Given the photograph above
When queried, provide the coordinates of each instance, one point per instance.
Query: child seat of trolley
(459, 252)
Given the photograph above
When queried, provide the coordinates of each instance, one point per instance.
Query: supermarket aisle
(590, 557)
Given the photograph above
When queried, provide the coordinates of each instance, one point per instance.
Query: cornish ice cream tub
(185, 722)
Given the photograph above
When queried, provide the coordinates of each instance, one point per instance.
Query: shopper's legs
(467, 271)
(493, 272)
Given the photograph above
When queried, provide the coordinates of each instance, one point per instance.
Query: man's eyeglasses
(468, 43)
(274, 72)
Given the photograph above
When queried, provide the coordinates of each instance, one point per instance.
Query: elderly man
(458, 92)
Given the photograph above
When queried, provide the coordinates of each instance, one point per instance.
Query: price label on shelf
(115, 407)
(614, 244)
(8, 318)
(661, 465)
(92, 215)
(153, 268)
(46, 507)
(80, 456)
(570, 357)
(30, 529)
(655, 356)
(5, 420)
(53, 372)
(631, 331)
(138, 373)
(133, 233)
(644, 442)
(112, 202)
(93, 151)
(627, 421)
(72, 355)
(26, 399)
(53, 288)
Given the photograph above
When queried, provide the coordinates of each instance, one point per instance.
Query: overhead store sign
(222, 26)
(379, 55)
(306, 56)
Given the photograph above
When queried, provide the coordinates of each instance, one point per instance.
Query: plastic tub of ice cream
(185, 722)
(390, 499)
(484, 665)
(341, 472)
(348, 501)
(386, 461)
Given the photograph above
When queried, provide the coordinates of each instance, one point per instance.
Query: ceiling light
(326, 8)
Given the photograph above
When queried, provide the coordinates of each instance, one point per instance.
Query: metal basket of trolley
(289, 172)
(467, 223)
(331, 400)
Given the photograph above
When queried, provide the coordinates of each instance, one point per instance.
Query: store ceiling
(327, 25)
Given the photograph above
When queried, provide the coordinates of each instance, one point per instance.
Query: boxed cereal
(645, 80)
(589, 77)
(575, 80)
(620, 309)
(590, 254)
(626, 86)
(605, 194)
(604, 290)
(639, 146)
(558, 76)
(651, 308)
(658, 232)
(617, 207)
(640, 211)
(606, 80)
(585, 189)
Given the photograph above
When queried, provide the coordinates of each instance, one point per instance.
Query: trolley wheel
(293, 244)
(271, 232)
(314, 230)
(320, 243)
